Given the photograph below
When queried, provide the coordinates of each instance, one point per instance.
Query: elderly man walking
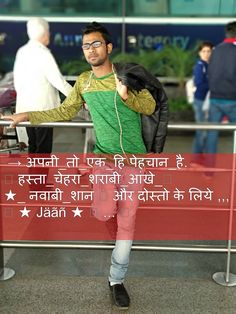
(37, 81)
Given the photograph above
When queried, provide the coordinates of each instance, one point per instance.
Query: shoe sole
(117, 306)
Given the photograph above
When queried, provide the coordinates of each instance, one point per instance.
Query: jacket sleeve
(154, 127)
(16, 72)
(54, 75)
(160, 137)
(141, 102)
(66, 111)
(199, 74)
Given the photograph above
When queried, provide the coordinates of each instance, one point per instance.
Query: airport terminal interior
(164, 276)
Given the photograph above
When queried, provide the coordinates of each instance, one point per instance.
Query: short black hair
(96, 27)
(230, 30)
(205, 44)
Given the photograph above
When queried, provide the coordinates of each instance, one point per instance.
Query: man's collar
(229, 40)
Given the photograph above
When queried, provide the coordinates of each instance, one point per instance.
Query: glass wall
(152, 8)
(61, 7)
(202, 7)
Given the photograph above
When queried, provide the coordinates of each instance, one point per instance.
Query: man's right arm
(66, 111)
(53, 74)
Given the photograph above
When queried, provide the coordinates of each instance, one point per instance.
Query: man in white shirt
(37, 81)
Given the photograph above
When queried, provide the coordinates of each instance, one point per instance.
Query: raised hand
(121, 89)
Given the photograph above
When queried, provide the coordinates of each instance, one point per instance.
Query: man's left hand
(121, 89)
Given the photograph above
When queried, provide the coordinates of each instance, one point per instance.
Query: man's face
(95, 49)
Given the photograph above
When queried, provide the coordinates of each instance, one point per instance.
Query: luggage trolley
(8, 137)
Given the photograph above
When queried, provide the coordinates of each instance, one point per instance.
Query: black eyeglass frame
(94, 44)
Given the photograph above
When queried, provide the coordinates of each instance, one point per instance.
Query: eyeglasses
(94, 44)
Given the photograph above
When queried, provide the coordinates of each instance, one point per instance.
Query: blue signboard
(66, 38)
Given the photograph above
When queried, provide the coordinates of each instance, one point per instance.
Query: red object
(230, 40)
(177, 202)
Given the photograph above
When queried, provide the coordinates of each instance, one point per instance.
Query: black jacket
(222, 71)
(154, 127)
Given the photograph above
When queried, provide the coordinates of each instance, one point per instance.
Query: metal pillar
(123, 30)
(226, 278)
(1, 261)
(5, 273)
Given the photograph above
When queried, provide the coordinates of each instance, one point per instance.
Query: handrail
(108, 246)
(89, 124)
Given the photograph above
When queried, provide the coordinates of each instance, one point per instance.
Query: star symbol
(77, 212)
(10, 195)
(25, 212)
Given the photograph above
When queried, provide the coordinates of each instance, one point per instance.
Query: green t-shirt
(117, 123)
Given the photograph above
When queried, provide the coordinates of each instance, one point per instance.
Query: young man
(37, 81)
(115, 112)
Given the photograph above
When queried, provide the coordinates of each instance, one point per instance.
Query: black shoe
(120, 296)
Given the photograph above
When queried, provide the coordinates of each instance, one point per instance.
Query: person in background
(222, 85)
(37, 80)
(200, 77)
